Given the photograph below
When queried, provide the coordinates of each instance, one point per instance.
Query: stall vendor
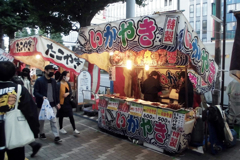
(182, 91)
(151, 86)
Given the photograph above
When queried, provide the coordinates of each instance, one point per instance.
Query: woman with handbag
(65, 93)
(18, 116)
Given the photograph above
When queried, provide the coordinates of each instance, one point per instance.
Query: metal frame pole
(224, 44)
(186, 87)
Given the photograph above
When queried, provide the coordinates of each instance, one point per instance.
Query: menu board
(149, 113)
(136, 109)
(164, 116)
(113, 104)
(178, 121)
(84, 86)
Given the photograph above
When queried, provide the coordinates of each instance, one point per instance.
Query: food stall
(164, 42)
(39, 51)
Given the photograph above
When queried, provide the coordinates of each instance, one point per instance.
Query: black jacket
(150, 89)
(26, 105)
(182, 93)
(40, 91)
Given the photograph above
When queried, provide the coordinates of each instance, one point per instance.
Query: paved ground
(93, 144)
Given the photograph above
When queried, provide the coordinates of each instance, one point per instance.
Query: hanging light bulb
(146, 67)
(111, 53)
(38, 56)
(129, 64)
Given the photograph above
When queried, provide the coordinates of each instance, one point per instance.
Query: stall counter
(165, 128)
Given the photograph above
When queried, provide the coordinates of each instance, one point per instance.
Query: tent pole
(186, 87)
(223, 60)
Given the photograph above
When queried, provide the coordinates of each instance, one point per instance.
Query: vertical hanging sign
(112, 73)
(84, 86)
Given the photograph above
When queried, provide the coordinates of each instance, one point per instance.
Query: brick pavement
(93, 144)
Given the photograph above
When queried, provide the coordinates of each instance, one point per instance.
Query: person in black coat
(45, 87)
(65, 93)
(35, 145)
(26, 106)
(182, 91)
(151, 86)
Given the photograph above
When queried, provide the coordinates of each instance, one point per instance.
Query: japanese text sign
(49, 50)
(136, 109)
(149, 113)
(165, 39)
(164, 116)
(174, 140)
(113, 104)
(5, 56)
(178, 121)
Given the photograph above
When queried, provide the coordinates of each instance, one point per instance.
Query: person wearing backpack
(65, 93)
(8, 92)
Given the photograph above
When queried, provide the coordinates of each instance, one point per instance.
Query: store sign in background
(49, 50)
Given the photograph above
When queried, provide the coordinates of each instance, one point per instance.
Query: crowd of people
(56, 91)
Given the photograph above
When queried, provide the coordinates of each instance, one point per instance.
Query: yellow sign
(150, 110)
(165, 113)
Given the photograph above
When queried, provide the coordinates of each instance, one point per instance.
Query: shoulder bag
(17, 130)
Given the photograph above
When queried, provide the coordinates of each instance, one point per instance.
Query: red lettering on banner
(212, 72)
(120, 121)
(146, 30)
(187, 39)
(174, 139)
(193, 79)
(96, 39)
(168, 37)
(103, 117)
(161, 132)
(171, 24)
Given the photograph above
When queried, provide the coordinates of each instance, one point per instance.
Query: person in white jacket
(233, 91)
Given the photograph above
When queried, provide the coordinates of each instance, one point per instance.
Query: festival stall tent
(37, 51)
(163, 42)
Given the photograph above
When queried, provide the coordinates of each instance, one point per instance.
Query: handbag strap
(19, 90)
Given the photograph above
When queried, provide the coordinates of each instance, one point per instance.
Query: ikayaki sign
(26, 49)
(166, 39)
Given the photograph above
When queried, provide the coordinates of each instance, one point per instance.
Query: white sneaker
(63, 131)
(76, 131)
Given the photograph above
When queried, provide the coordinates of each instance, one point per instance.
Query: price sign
(136, 109)
(164, 116)
(149, 113)
(113, 104)
(178, 121)
(103, 102)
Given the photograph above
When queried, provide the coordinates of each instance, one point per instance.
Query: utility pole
(130, 8)
(224, 44)
(216, 92)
